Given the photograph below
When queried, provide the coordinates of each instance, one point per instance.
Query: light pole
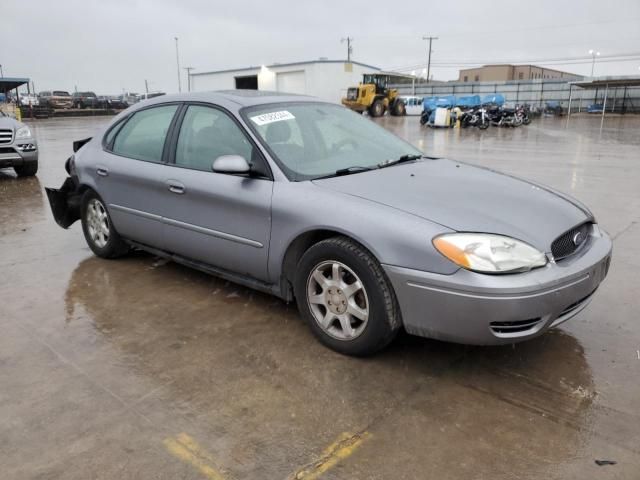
(178, 65)
(1, 73)
(188, 69)
(593, 54)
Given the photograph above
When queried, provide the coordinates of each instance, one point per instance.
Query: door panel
(134, 191)
(223, 220)
(131, 182)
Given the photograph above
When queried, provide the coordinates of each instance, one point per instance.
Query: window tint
(143, 135)
(207, 133)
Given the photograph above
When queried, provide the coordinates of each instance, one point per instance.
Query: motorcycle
(504, 117)
(522, 113)
(475, 117)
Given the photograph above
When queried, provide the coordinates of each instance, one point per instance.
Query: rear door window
(144, 134)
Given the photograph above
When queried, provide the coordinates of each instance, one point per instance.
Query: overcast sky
(114, 45)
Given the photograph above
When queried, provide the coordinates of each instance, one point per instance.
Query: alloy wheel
(337, 300)
(98, 223)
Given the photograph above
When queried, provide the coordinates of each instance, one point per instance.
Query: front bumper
(478, 309)
(16, 155)
(65, 202)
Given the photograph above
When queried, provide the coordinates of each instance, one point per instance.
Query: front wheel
(27, 169)
(98, 230)
(377, 109)
(346, 298)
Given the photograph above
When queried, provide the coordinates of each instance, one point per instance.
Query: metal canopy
(8, 83)
(600, 82)
(606, 83)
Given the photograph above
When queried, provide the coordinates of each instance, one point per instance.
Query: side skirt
(244, 280)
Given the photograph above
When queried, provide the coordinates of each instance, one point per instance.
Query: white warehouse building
(323, 78)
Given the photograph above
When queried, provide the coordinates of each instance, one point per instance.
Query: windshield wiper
(345, 171)
(404, 158)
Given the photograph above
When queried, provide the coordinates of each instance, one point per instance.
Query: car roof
(235, 98)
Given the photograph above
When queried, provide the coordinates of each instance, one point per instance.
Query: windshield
(311, 140)
(59, 93)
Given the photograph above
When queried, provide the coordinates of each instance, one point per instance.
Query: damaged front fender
(65, 203)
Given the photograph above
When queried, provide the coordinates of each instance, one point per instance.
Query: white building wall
(326, 80)
(218, 81)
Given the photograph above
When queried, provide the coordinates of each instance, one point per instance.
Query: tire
(377, 108)
(98, 230)
(398, 109)
(526, 121)
(377, 314)
(483, 125)
(28, 169)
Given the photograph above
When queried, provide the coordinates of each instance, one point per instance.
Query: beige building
(503, 73)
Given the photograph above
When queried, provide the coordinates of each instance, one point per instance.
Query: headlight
(489, 253)
(23, 132)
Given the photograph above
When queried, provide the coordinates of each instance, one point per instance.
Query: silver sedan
(311, 202)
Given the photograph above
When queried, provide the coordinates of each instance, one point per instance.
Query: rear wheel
(376, 109)
(346, 298)
(98, 230)
(27, 169)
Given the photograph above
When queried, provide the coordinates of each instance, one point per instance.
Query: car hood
(462, 197)
(6, 122)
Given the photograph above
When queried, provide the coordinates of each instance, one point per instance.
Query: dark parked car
(85, 100)
(309, 201)
(56, 99)
(113, 102)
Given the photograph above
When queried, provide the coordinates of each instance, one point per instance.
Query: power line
(630, 56)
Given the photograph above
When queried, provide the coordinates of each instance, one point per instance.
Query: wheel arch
(300, 244)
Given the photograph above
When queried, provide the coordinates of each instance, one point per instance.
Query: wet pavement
(138, 368)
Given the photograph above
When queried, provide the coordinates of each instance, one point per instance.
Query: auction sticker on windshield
(271, 117)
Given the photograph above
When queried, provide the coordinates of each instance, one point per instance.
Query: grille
(6, 136)
(568, 243)
(518, 326)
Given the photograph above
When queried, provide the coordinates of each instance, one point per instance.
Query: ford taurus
(311, 202)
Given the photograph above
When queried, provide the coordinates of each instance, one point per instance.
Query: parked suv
(18, 147)
(85, 100)
(56, 99)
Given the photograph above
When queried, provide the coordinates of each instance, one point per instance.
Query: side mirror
(230, 164)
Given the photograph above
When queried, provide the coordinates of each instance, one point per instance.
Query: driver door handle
(103, 172)
(176, 187)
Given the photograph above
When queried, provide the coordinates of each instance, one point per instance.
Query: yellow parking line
(342, 448)
(187, 449)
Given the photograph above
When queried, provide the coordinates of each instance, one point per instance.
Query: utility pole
(188, 69)
(178, 65)
(431, 39)
(1, 73)
(349, 40)
(146, 87)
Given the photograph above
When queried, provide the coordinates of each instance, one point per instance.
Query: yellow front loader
(374, 96)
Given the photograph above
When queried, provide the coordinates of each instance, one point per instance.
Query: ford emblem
(577, 239)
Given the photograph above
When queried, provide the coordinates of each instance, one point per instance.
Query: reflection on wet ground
(138, 368)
